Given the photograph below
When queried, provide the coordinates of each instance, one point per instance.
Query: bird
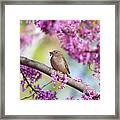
(59, 63)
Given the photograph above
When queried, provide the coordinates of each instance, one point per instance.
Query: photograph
(59, 59)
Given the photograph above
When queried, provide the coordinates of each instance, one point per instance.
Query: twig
(46, 84)
(35, 91)
(29, 83)
(27, 97)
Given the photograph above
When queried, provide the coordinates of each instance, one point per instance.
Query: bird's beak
(51, 53)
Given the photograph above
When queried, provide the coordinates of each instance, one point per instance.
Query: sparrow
(59, 63)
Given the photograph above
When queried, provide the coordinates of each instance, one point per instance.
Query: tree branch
(47, 70)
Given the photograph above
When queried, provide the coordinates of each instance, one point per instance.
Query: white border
(13, 105)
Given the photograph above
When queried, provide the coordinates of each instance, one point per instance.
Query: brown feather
(59, 63)
(66, 65)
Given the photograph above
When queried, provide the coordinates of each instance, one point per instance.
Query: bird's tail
(68, 75)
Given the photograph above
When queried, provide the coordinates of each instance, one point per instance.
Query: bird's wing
(66, 65)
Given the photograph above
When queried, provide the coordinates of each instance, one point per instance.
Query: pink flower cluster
(89, 30)
(80, 38)
(46, 26)
(55, 78)
(77, 41)
(44, 94)
(32, 74)
(90, 94)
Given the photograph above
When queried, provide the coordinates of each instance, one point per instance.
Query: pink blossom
(55, 78)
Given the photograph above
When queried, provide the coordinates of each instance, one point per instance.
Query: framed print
(59, 59)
